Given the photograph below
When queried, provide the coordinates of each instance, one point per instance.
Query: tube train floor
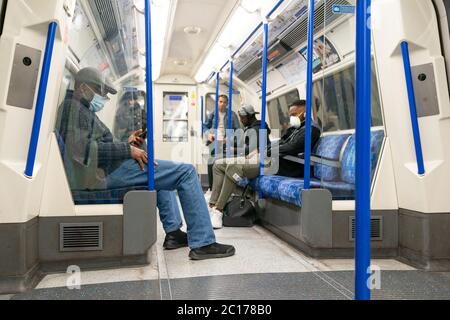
(264, 267)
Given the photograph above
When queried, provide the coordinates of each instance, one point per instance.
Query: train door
(174, 118)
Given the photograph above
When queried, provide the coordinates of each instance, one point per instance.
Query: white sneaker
(208, 196)
(216, 218)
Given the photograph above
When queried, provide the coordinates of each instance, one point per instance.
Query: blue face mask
(98, 103)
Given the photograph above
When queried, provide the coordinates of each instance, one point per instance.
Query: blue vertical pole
(202, 116)
(34, 140)
(309, 79)
(363, 163)
(149, 71)
(216, 122)
(413, 108)
(262, 133)
(230, 110)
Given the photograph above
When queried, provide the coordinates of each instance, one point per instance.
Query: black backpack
(239, 211)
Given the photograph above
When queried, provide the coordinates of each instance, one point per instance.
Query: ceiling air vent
(81, 236)
(251, 69)
(298, 33)
(376, 228)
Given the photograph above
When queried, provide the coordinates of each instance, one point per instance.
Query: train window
(278, 110)
(334, 101)
(175, 116)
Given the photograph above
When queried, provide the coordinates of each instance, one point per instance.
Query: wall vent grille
(81, 236)
(376, 228)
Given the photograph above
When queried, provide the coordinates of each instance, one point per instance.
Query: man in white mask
(293, 142)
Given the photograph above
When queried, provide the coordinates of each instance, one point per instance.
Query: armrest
(315, 160)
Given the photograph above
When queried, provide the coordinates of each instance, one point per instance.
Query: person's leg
(210, 175)
(168, 211)
(184, 179)
(129, 174)
(219, 174)
(234, 173)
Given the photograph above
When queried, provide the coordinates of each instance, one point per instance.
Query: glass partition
(102, 115)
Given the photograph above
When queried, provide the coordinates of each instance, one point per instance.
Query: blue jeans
(171, 177)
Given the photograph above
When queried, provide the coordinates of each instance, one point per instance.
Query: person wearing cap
(94, 160)
(291, 144)
(227, 172)
(220, 135)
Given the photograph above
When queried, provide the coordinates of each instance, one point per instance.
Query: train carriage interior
(89, 88)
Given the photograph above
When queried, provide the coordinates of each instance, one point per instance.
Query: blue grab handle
(309, 80)
(149, 88)
(413, 108)
(35, 132)
(363, 158)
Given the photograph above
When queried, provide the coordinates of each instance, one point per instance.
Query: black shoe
(212, 251)
(175, 240)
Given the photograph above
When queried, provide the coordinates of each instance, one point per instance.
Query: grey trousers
(227, 173)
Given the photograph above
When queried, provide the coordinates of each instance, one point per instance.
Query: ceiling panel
(210, 16)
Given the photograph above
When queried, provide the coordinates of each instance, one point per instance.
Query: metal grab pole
(363, 163)
(309, 79)
(413, 108)
(216, 122)
(230, 111)
(262, 133)
(34, 140)
(202, 110)
(149, 71)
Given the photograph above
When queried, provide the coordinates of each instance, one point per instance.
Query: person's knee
(189, 169)
(233, 174)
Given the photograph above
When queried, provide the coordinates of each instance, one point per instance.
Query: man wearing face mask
(95, 160)
(293, 142)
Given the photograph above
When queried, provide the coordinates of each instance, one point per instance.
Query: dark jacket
(89, 149)
(292, 144)
(247, 142)
(128, 120)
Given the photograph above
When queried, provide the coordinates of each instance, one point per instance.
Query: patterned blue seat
(329, 147)
(344, 187)
(89, 197)
(340, 181)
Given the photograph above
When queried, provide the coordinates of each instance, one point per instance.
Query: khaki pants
(227, 173)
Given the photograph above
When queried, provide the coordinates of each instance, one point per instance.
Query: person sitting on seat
(99, 161)
(227, 175)
(226, 171)
(293, 142)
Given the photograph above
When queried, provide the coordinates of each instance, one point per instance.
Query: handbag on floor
(239, 211)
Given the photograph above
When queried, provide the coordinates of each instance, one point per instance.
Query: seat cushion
(329, 147)
(86, 197)
(284, 189)
(349, 157)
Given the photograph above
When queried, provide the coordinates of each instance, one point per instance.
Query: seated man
(227, 171)
(95, 160)
(293, 142)
(226, 175)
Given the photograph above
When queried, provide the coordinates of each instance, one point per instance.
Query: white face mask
(295, 122)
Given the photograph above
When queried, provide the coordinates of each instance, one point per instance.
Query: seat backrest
(349, 157)
(329, 147)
